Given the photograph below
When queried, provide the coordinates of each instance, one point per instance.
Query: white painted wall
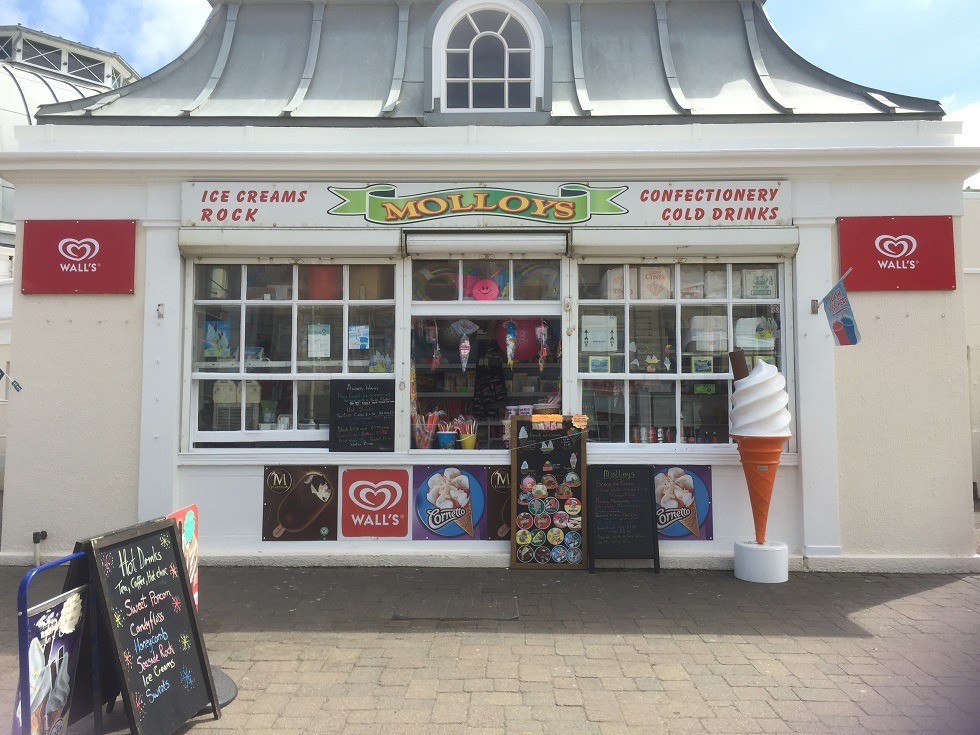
(73, 447)
(971, 299)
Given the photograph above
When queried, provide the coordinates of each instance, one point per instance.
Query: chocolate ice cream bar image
(303, 503)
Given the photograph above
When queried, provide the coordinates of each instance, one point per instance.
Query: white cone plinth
(766, 563)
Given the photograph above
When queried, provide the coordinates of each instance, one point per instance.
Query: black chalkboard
(145, 599)
(362, 415)
(622, 513)
(548, 498)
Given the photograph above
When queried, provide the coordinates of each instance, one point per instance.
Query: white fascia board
(484, 153)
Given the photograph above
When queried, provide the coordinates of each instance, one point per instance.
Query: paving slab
(407, 650)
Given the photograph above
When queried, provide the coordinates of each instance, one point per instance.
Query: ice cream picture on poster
(760, 425)
(450, 503)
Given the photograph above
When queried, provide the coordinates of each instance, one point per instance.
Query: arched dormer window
(490, 56)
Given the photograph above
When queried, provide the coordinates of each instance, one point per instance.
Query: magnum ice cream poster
(450, 503)
(683, 496)
(299, 503)
(498, 503)
(53, 630)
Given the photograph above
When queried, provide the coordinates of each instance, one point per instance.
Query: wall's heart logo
(78, 250)
(375, 496)
(896, 247)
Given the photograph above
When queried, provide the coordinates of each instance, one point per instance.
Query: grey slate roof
(365, 62)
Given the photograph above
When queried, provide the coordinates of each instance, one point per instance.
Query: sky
(923, 48)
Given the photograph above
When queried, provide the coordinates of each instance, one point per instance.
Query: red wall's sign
(79, 256)
(375, 503)
(889, 253)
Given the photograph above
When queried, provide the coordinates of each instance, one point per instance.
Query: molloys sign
(596, 204)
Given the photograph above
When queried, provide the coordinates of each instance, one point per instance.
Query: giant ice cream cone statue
(760, 426)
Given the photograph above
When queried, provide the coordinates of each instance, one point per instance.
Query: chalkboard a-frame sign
(623, 514)
(146, 603)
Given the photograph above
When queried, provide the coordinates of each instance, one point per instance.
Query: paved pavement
(392, 651)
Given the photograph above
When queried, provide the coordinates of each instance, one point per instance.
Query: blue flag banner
(840, 316)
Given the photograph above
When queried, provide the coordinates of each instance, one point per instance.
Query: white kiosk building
(321, 198)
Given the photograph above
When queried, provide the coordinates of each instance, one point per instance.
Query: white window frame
(674, 452)
(440, 39)
(283, 438)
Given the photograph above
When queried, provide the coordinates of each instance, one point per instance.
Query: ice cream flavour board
(622, 514)
(549, 493)
(147, 609)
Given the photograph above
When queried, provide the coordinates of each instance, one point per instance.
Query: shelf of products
(485, 390)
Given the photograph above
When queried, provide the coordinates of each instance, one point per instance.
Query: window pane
(372, 282)
(488, 95)
(520, 65)
(600, 281)
(462, 35)
(514, 34)
(269, 338)
(457, 95)
(321, 282)
(703, 282)
(319, 348)
(652, 281)
(601, 346)
(275, 405)
(653, 412)
(220, 405)
(269, 282)
(488, 58)
(704, 412)
(86, 67)
(519, 95)
(458, 66)
(218, 282)
(41, 54)
(758, 332)
(653, 339)
(313, 404)
(755, 281)
(216, 338)
(489, 20)
(486, 389)
(435, 280)
(537, 280)
(704, 332)
(486, 280)
(603, 403)
(371, 339)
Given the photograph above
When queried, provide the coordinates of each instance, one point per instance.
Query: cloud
(162, 30)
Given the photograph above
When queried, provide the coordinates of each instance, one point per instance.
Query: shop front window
(472, 370)
(268, 338)
(654, 342)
